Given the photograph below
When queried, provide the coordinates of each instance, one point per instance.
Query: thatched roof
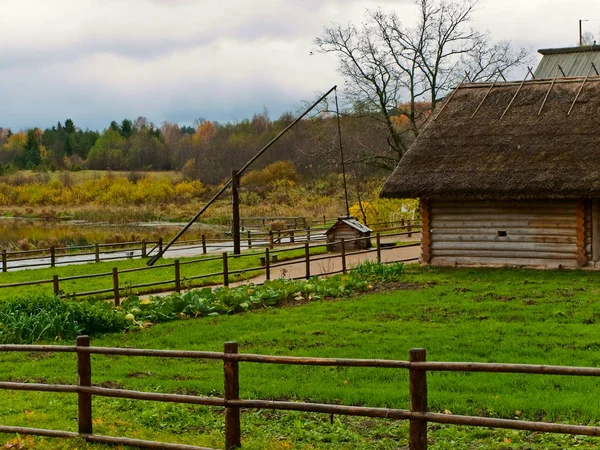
(527, 154)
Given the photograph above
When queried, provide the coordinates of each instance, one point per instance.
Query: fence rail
(417, 366)
(55, 256)
(269, 261)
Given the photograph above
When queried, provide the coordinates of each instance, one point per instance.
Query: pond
(26, 234)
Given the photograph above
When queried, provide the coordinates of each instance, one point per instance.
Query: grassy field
(524, 316)
(206, 265)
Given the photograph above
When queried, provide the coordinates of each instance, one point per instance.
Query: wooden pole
(55, 284)
(292, 239)
(204, 244)
(4, 261)
(308, 233)
(343, 247)
(233, 433)
(235, 222)
(267, 264)
(115, 272)
(409, 228)
(160, 246)
(177, 277)
(225, 270)
(84, 378)
(307, 257)
(271, 239)
(52, 256)
(97, 252)
(417, 433)
(144, 248)
(378, 241)
(249, 240)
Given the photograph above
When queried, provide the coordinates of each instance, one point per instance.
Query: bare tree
(398, 73)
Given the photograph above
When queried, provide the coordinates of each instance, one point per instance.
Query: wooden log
(116, 296)
(177, 276)
(232, 392)
(491, 236)
(204, 244)
(225, 270)
(502, 261)
(307, 259)
(84, 378)
(144, 248)
(417, 434)
(378, 242)
(97, 252)
(582, 257)
(595, 251)
(4, 261)
(425, 233)
(55, 284)
(343, 248)
(505, 246)
(512, 230)
(249, 240)
(235, 222)
(267, 264)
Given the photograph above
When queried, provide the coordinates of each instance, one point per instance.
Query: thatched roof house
(509, 173)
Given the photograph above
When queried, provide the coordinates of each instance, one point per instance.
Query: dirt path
(333, 263)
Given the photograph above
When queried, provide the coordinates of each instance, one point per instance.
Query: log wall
(515, 233)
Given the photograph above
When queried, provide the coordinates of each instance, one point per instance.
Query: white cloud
(98, 60)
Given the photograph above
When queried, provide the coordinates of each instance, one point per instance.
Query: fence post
(233, 431)
(177, 277)
(116, 286)
(225, 270)
(84, 378)
(4, 262)
(97, 252)
(267, 264)
(308, 233)
(271, 239)
(292, 240)
(378, 241)
(324, 220)
(307, 256)
(52, 256)
(343, 247)
(417, 434)
(408, 228)
(204, 244)
(55, 284)
(249, 240)
(160, 245)
(144, 248)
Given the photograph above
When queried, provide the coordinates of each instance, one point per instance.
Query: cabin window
(501, 233)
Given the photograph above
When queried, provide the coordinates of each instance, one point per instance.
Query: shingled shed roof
(574, 61)
(479, 147)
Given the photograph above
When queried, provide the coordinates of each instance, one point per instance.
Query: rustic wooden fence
(417, 366)
(55, 256)
(269, 261)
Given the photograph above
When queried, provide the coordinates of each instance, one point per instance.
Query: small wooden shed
(509, 174)
(348, 228)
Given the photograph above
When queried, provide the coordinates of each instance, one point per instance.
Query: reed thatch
(527, 154)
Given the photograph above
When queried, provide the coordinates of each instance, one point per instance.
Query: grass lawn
(208, 264)
(519, 316)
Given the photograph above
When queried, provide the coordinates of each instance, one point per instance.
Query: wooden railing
(417, 366)
(55, 256)
(269, 261)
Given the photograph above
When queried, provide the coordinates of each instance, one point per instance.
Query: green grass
(519, 316)
(250, 259)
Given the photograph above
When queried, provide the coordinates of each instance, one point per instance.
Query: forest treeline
(207, 151)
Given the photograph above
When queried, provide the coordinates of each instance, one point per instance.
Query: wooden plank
(545, 217)
(525, 262)
(513, 231)
(425, 232)
(502, 224)
(515, 247)
(512, 204)
(595, 250)
(505, 254)
(510, 237)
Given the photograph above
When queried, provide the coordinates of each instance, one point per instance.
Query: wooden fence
(268, 262)
(141, 249)
(418, 414)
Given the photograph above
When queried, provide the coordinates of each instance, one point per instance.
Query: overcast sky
(176, 60)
